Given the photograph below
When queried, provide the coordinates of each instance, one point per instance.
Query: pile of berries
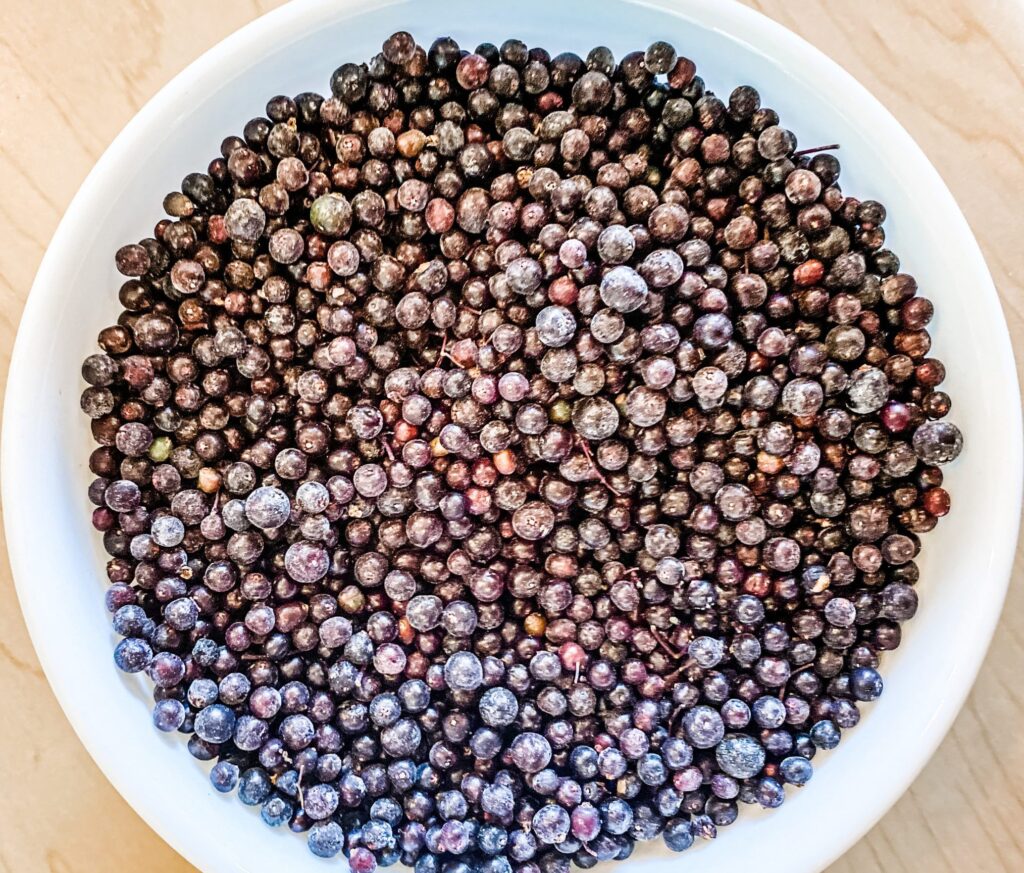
(510, 458)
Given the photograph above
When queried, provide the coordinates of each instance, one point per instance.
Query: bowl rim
(291, 21)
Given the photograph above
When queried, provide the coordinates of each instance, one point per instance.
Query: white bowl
(57, 558)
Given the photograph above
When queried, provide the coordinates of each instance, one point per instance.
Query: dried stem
(450, 358)
(675, 674)
(669, 649)
(593, 466)
(815, 149)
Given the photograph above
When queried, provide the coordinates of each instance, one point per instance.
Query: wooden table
(72, 74)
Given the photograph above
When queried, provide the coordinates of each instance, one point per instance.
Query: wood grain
(73, 74)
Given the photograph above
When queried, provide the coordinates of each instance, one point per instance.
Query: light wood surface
(73, 73)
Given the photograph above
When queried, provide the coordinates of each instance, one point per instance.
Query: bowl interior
(60, 577)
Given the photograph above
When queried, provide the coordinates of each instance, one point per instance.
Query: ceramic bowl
(57, 557)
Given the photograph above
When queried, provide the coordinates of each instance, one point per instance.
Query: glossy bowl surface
(57, 557)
